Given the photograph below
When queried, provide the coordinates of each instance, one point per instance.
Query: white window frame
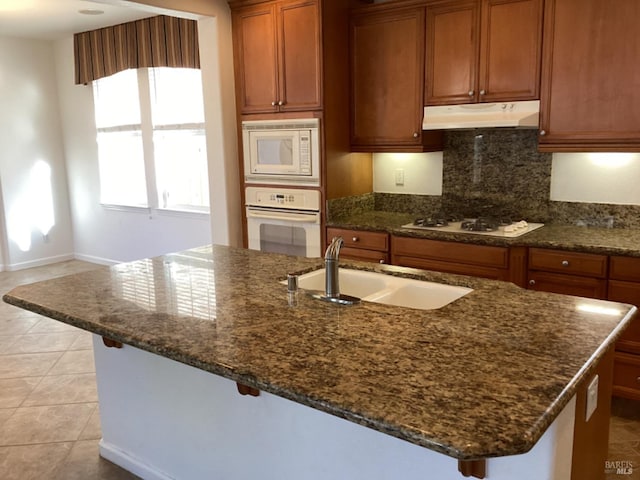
(147, 129)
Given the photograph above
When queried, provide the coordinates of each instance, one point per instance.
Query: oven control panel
(297, 199)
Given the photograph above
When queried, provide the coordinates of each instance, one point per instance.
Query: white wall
(216, 62)
(575, 177)
(422, 173)
(596, 178)
(30, 133)
(103, 235)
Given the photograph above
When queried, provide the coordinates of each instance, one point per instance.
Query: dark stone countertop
(483, 376)
(606, 241)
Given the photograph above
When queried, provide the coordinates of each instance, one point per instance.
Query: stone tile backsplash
(498, 172)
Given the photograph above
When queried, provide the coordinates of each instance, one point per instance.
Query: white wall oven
(285, 152)
(283, 220)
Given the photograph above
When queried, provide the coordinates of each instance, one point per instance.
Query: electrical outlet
(399, 176)
(592, 398)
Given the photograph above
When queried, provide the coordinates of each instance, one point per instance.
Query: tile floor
(624, 440)
(49, 420)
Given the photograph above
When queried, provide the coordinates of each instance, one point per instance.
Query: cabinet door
(568, 284)
(300, 59)
(627, 292)
(255, 58)
(452, 53)
(511, 46)
(590, 78)
(387, 65)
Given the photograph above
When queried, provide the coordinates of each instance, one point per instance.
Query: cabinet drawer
(625, 268)
(626, 292)
(568, 284)
(364, 255)
(571, 263)
(481, 255)
(626, 375)
(360, 239)
(451, 267)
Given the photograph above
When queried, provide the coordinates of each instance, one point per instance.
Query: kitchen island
(491, 375)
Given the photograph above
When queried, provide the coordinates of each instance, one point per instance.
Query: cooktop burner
(499, 227)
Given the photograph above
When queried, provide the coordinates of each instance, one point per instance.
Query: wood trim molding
(110, 343)
(473, 468)
(247, 390)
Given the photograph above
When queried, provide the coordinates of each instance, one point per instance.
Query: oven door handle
(311, 217)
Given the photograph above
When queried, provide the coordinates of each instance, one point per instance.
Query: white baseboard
(39, 262)
(93, 259)
(115, 455)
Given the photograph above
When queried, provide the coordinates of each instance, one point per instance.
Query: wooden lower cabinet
(627, 292)
(497, 263)
(362, 245)
(569, 273)
(591, 438)
(568, 284)
(626, 376)
(624, 286)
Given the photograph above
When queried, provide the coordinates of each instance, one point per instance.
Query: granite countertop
(606, 241)
(483, 376)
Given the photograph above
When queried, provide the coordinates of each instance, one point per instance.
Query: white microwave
(282, 151)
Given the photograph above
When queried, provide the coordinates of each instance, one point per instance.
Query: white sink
(387, 289)
(357, 283)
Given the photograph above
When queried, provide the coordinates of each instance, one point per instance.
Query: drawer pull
(355, 239)
(565, 263)
(382, 261)
(532, 282)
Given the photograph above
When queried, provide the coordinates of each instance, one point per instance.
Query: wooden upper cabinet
(256, 57)
(483, 51)
(300, 57)
(452, 53)
(387, 77)
(590, 76)
(511, 50)
(277, 56)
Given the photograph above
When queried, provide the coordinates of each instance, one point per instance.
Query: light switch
(592, 398)
(399, 176)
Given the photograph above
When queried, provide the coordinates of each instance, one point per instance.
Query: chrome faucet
(331, 257)
(332, 276)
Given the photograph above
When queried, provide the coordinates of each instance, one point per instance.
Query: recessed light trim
(90, 11)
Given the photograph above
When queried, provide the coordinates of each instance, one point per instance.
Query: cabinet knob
(543, 133)
(273, 104)
(382, 261)
(416, 134)
(637, 379)
(532, 282)
(355, 239)
(471, 92)
(280, 103)
(482, 92)
(565, 263)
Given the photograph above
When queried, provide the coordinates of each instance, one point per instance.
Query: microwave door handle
(295, 217)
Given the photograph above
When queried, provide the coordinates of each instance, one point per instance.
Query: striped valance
(160, 41)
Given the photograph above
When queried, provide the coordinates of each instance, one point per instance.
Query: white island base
(165, 420)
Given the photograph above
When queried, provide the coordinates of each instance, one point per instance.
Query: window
(151, 139)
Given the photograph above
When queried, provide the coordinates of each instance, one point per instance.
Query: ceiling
(55, 19)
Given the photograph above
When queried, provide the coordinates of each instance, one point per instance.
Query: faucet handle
(333, 250)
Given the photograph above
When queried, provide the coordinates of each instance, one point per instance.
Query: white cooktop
(516, 229)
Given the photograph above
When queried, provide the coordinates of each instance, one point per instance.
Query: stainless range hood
(482, 115)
